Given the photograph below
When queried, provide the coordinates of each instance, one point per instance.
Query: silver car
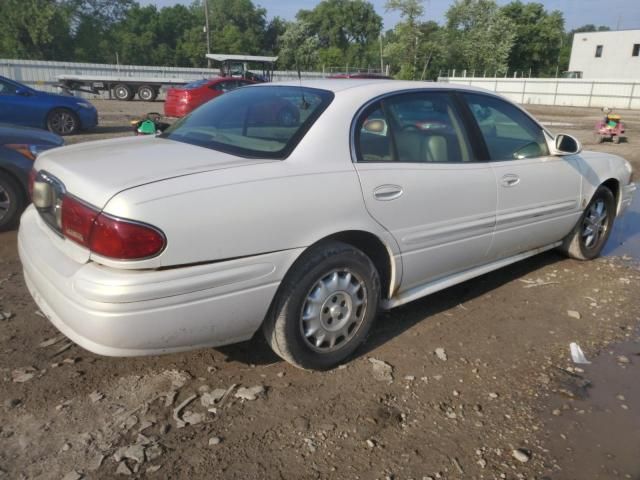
(302, 209)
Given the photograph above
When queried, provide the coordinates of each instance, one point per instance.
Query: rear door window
(421, 127)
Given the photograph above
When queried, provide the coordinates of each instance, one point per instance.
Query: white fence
(560, 91)
(44, 75)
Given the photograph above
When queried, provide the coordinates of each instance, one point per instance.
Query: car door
(421, 181)
(538, 194)
(8, 99)
(19, 109)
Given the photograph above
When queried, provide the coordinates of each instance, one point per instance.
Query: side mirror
(23, 92)
(567, 145)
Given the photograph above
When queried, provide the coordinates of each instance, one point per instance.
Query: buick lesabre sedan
(232, 220)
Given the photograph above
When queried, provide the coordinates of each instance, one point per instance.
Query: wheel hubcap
(595, 224)
(333, 310)
(5, 202)
(63, 122)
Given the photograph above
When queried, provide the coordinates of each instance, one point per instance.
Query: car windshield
(263, 122)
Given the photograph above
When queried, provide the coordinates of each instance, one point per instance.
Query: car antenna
(304, 105)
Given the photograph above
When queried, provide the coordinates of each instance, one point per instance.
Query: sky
(616, 14)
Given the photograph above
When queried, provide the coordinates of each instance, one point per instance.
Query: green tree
(92, 24)
(275, 29)
(539, 36)
(480, 36)
(34, 29)
(341, 23)
(404, 43)
(237, 26)
(298, 47)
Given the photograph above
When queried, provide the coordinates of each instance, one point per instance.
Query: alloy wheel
(595, 224)
(63, 122)
(5, 202)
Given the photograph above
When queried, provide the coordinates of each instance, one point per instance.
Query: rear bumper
(132, 312)
(175, 109)
(626, 197)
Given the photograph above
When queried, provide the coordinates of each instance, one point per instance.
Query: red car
(182, 100)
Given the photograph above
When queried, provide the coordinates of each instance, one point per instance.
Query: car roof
(15, 134)
(376, 85)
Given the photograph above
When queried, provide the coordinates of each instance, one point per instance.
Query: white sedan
(302, 209)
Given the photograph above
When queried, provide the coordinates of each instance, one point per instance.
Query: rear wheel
(11, 202)
(589, 236)
(147, 93)
(324, 308)
(63, 121)
(123, 92)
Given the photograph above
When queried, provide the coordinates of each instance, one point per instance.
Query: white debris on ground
(441, 354)
(249, 393)
(382, 371)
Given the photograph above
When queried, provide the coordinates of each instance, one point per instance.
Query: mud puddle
(593, 424)
(625, 236)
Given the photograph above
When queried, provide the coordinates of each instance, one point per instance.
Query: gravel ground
(472, 382)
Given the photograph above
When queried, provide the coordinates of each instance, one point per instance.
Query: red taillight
(32, 179)
(108, 236)
(77, 220)
(124, 240)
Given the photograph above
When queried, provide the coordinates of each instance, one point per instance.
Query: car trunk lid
(96, 171)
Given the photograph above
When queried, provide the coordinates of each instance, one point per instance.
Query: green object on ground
(147, 128)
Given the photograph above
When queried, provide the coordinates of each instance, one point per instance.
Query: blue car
(19, 147)
(61, 114)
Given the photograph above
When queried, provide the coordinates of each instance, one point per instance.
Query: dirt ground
(477, 381)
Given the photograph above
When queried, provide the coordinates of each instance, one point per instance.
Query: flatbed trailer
(119, 87)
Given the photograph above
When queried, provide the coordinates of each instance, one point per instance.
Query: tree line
(478, 36)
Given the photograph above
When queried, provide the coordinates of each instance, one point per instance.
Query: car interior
(424, 131)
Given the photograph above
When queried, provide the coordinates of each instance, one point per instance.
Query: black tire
(310, 286)
(147, 93)
(123, 92)
(581, 245)
(63, 121)
(12, 202)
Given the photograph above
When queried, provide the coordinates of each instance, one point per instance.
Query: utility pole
(206, 28)
(381, 59)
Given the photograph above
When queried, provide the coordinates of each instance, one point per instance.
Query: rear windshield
(263, 122)
(196, 84)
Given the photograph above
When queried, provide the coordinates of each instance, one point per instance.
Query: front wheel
(589, 236)
(63, 122)
(324, 308)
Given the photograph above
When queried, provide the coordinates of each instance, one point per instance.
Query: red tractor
(609, 128)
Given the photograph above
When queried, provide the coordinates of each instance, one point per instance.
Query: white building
(606, 55)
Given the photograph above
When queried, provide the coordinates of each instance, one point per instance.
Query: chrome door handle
(387, 192)
(510, 180)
